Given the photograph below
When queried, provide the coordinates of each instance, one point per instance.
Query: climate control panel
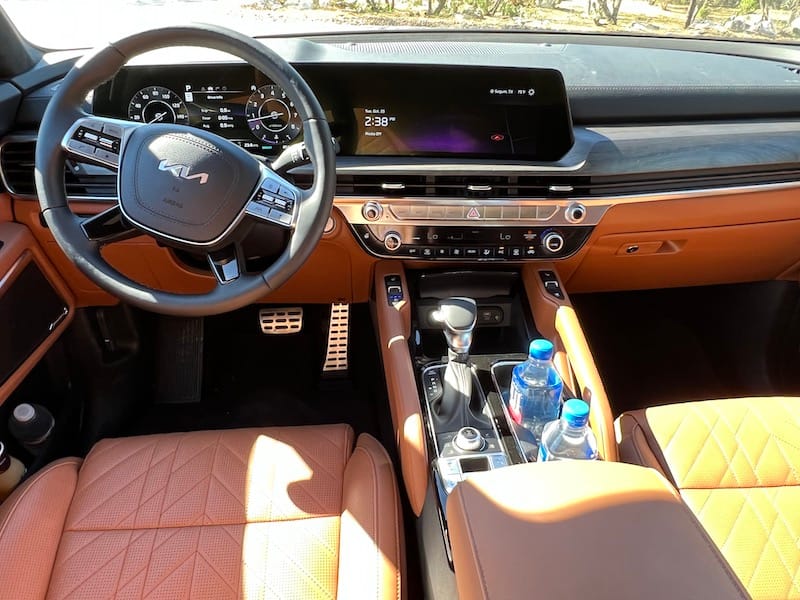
(436, 242)
(469, 229)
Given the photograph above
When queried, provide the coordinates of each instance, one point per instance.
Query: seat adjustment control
(551, 284)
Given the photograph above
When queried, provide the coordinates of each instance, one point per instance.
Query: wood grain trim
(394, 329)
(19, 249)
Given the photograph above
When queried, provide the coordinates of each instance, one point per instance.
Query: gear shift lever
(458, 317)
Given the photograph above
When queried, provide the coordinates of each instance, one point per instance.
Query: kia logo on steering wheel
(182, 171)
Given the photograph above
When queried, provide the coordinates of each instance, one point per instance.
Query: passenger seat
(736, 463)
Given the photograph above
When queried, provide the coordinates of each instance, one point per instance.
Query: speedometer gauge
(272, 116)
(157, 104)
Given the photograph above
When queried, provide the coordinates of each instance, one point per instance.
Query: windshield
(63, 24)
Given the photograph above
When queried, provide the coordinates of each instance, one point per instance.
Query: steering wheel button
(112, 130)
(281, 217)
(258, 210)
(93, 125)
(109, 157)
(270, 186)
(81, 147)
(88, 135)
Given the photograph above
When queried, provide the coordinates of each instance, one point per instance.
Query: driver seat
(289, 512)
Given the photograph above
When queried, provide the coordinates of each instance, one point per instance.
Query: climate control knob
(372, 211)
(553, 242)
(392, 241)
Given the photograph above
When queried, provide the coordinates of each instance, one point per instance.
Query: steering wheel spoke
(225, 264)
(98, 140)
(108, 227)
(275, 200)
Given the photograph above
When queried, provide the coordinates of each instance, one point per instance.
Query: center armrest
(581, 529)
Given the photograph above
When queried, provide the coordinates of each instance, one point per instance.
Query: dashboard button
(528, 212)
(427, 252)
(515, 252)
(412, 251)
(530, 251)
(442, 252)
(418, 212)
(511, 212)
(471, 252)
(501, 252)
(487, 252)
(456, 252)
(454, 212)
(545, 212)
(401, 212)
(436, 212)
(493, 212)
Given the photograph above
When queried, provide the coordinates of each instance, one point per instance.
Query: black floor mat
(255, 380)
(665, 346)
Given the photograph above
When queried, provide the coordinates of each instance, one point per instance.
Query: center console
(450, 339)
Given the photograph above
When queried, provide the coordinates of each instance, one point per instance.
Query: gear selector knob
(457, 316)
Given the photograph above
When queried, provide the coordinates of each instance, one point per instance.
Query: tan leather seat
(736, 463)
(250, 513)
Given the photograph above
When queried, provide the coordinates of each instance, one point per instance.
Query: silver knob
(392, 241)
(372, 211)
(575, 212)
(553, 242)
(469, 439)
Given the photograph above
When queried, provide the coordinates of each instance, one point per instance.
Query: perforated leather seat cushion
(736, 463)
(253, 513)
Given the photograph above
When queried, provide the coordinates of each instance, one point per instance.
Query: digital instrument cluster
(374, 110)
(234, 103)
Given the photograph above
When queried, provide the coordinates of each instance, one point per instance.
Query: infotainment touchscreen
(400, 110)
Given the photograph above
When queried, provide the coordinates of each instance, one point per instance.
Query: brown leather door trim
(394, 329)
(19, 249)
(556, 320)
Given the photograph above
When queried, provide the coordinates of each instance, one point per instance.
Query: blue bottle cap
(575, 412)
(541, 350)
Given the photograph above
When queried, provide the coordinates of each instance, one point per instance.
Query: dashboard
(630, 163)
(401, 110)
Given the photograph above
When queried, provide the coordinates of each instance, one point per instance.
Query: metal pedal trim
(336, 354)
(281, 321)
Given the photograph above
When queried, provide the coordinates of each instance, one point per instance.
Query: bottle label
(542, 454)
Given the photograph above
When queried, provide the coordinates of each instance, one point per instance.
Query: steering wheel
(187, 188)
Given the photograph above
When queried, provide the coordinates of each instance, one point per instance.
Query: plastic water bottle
(535, 395)
(569, 438)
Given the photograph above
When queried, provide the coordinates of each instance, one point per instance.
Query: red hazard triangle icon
(474, 213)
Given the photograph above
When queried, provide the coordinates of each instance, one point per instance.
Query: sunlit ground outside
(75, 23)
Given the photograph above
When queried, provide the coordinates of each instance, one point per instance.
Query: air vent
(80, 180)
(448, 186)
(16, 163)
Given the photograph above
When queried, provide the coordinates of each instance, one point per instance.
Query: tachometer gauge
(271, 115)
(157, 104)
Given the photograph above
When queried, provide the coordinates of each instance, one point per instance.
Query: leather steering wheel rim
(64, 111)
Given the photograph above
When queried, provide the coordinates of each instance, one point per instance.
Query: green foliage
(748, 6)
